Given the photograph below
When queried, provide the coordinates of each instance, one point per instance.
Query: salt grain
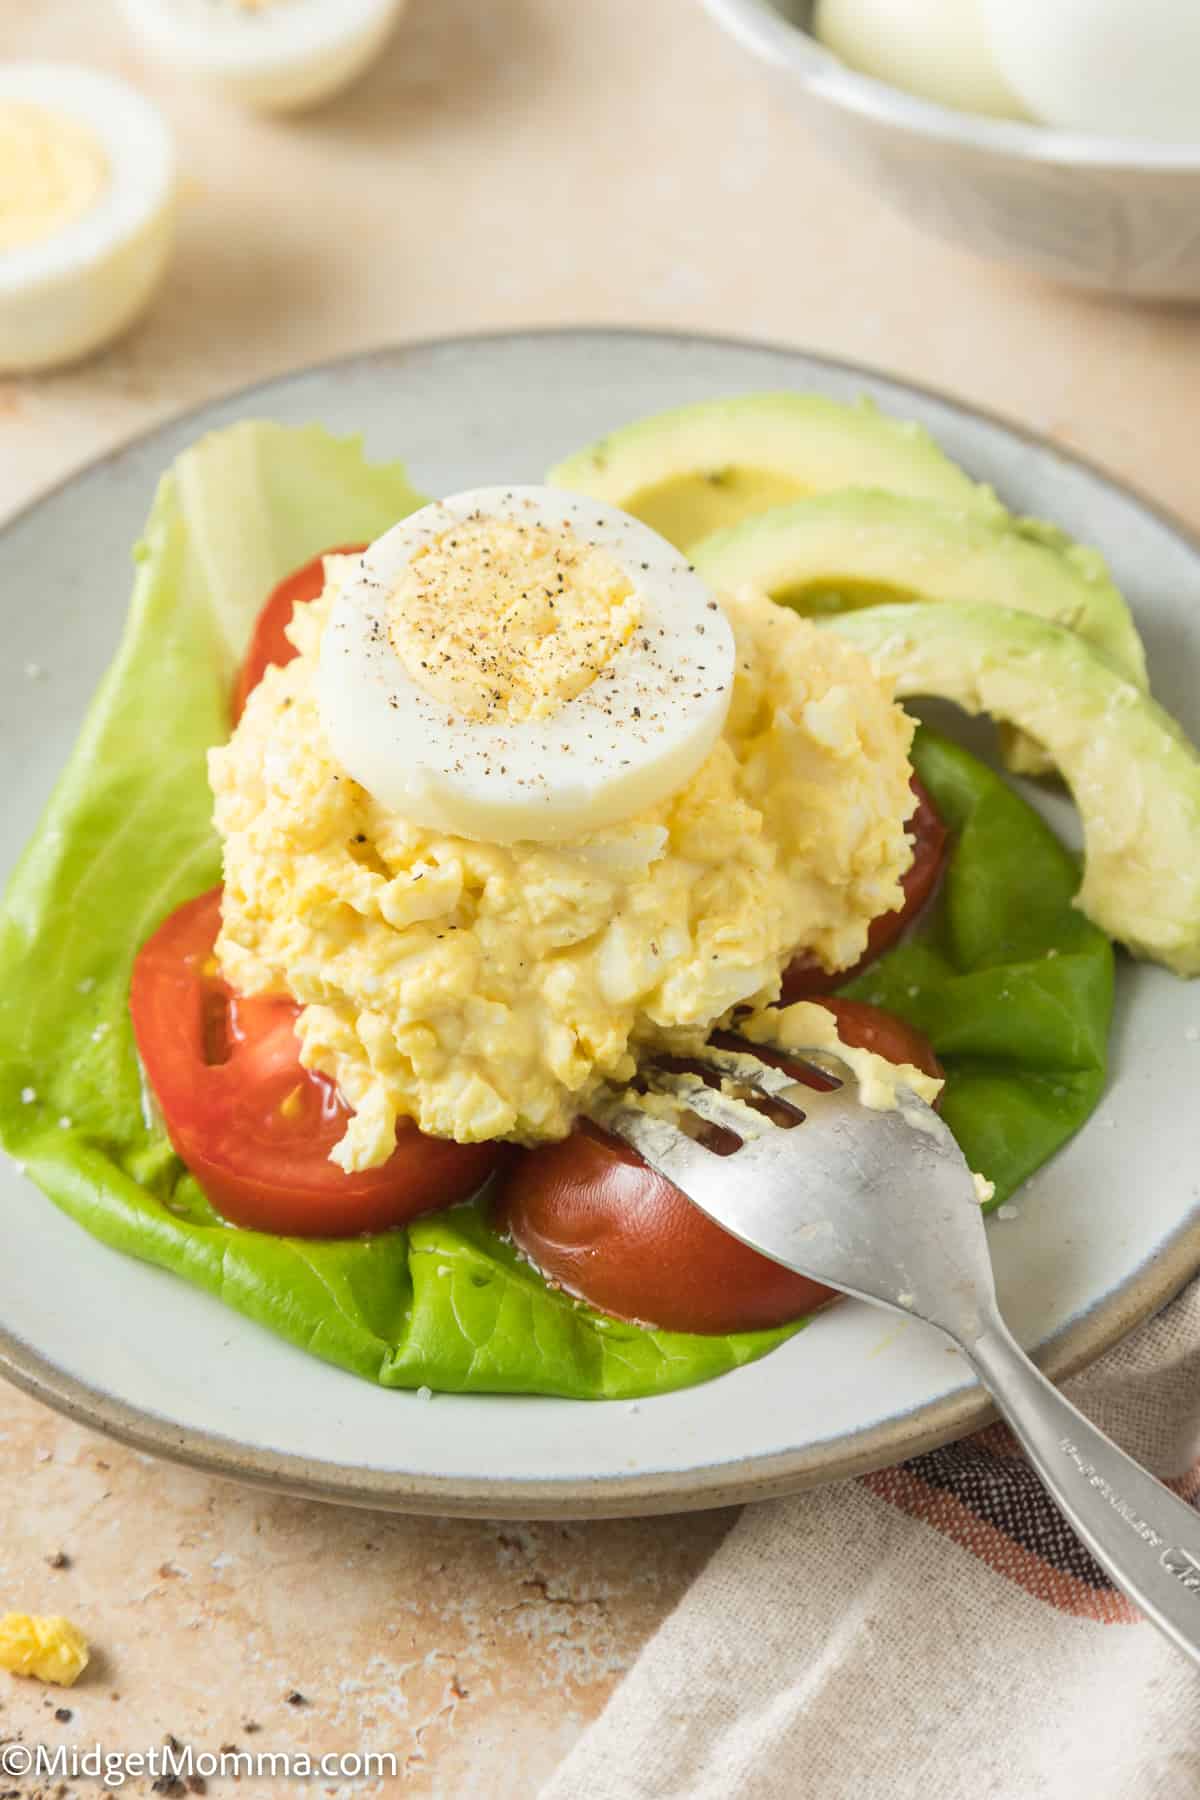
(1008, 1211)
(424, 1393)
(28, 1096)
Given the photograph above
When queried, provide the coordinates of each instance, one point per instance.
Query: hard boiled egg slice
(1117, 68)
(87, 176)
(279, 55)
(520, 663)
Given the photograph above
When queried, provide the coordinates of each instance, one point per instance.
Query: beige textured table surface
(509, 162)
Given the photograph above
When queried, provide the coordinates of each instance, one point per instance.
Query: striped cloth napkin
(929, 1632)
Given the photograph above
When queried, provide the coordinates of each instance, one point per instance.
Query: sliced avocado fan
(860, 547)
(1132, 773)
(701, 468)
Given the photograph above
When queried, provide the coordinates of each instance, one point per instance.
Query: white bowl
(1115, 214)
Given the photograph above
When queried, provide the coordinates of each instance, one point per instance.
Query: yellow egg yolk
(47, 1647)
(53, 169)
(505, 620)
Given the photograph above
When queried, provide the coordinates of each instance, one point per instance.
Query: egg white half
(71, 291)
(629, 739)
(279, 57)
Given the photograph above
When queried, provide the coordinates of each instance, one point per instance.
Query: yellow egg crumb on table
(502, 618)
(53, 169)
(45, 1646)
(487, 990)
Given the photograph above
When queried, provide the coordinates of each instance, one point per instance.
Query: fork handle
(1147, 1540)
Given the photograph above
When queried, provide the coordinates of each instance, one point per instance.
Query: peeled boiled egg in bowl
(87, 180)
(1063, 137)
(937, 49)
(274, 55)
(1118, 68)
(1111, 68)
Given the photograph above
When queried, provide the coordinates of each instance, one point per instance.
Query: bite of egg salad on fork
(514, 800)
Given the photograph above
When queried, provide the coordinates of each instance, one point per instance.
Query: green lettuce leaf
(1012, 985)
(127, 837)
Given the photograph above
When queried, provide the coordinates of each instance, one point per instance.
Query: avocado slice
(702, 468)
(1134, 776)
(860, 547)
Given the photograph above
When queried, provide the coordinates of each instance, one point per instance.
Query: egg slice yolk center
(506, 620)
(53, 169)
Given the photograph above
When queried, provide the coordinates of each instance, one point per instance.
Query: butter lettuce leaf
(1010, 982)
(127, 836)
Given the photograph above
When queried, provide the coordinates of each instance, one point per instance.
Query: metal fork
(882, 1205)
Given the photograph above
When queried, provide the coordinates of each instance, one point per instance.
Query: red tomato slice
(255, 1128)
(269, 643)
(595, 1220)
(804, 978)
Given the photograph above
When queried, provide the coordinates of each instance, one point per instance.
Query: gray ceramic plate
(1104, 1235)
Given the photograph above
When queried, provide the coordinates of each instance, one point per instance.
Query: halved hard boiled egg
(278, 55)
(87, 179)
(519, 663)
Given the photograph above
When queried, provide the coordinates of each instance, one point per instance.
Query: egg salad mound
(486, 991)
